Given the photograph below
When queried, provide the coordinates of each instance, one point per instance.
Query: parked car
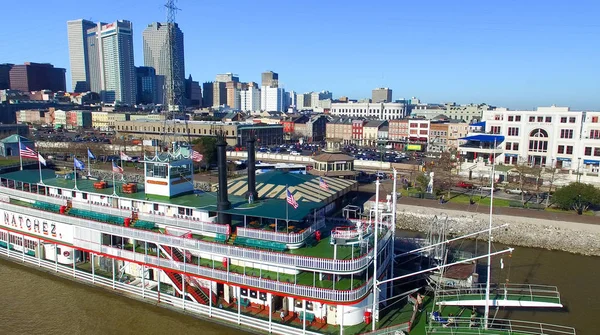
(295, 153)
(487, 188)
(513, 190)
(463, 184)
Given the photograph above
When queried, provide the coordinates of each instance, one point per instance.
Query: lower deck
(154, 284)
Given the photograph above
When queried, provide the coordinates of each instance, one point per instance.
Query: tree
(443, 178)
(577, 196)
(526, 177)
(422, 181)
(207, 147)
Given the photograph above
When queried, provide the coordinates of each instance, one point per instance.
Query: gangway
(471, 326)
(502, 295)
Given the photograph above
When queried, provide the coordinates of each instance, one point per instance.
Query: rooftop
(270, 185)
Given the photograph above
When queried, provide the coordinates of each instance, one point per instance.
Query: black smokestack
(223, 201)
(252, 168)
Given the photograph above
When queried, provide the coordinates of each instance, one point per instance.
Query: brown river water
(34, 302)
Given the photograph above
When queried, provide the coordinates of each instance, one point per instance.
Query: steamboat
(262, 252)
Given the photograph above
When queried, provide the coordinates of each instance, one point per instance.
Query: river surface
(38, 303)
(34, 302)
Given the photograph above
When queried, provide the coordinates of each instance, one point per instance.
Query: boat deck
(504, 295)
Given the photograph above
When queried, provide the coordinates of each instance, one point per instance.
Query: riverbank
(527, 228)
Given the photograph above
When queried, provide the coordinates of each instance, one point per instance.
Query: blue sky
(517, 54)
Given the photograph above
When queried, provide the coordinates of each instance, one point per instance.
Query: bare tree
(443, 169)
(527, 177)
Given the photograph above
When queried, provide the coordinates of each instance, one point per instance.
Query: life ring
(66, 254)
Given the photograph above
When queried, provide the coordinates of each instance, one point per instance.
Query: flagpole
(75, 171)
(20, 157)
(89, 166)
(287, 205)
(40, 167)
(114, 185)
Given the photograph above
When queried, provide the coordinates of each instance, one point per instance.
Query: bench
(310, 317)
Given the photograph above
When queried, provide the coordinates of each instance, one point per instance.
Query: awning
(591, 162)
(485, 138)
(478, 124)
(563, 159)
(511, 155)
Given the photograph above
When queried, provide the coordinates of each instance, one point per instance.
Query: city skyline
(519, 56)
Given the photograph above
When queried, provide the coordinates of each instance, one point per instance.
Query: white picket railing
(221, 250)
(234, 278)
(293, 238)
(161, 219)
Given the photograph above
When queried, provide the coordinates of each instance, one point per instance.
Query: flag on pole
(90, 154)
(124, 157)
(78, 164)
(323, 184)
(41, 159)
(116, 168)
(27, 152)
(291, 200)
(196, 156)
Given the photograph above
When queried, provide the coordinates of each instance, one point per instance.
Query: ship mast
(486, 313)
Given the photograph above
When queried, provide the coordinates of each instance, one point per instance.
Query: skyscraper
(78, 54)
(146, 85)
(114, 43)
(272, 99)
(383, 94)
(270, 79)
(157, 55)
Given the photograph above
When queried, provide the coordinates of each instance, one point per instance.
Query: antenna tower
(174, 80)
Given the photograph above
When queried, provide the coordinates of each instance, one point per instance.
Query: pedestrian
(419, 301)
(282, 315)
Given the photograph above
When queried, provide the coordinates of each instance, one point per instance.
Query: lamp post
(578, 166)
(551, 182)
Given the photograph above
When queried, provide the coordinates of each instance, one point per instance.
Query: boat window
(181, 210)
(155, 207)
(244, 292)
(84, 195)
(309, 306)
(252, 294)
(73, 194)
(59, 191)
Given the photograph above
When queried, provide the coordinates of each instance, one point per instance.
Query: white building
(250, 99)
(381, 111)
(316, 97)
(111, 67)
(272, 99)
(548, 136)
(78, 54)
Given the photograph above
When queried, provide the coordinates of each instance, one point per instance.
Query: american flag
(196, 156)
(27, 152)
(124, 157)
(323, 184)
(291, 200)
(116, 168)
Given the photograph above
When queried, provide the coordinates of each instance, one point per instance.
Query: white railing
(293, 238)
(32, 196)
(186, 223)
(82, 204)
(235, 278)
(165, 299)
(222, 250)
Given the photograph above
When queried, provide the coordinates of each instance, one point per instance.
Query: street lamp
(551, 182)
(578, 166)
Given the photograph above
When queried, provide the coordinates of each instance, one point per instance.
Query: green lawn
(558, 210)
(480, 200)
